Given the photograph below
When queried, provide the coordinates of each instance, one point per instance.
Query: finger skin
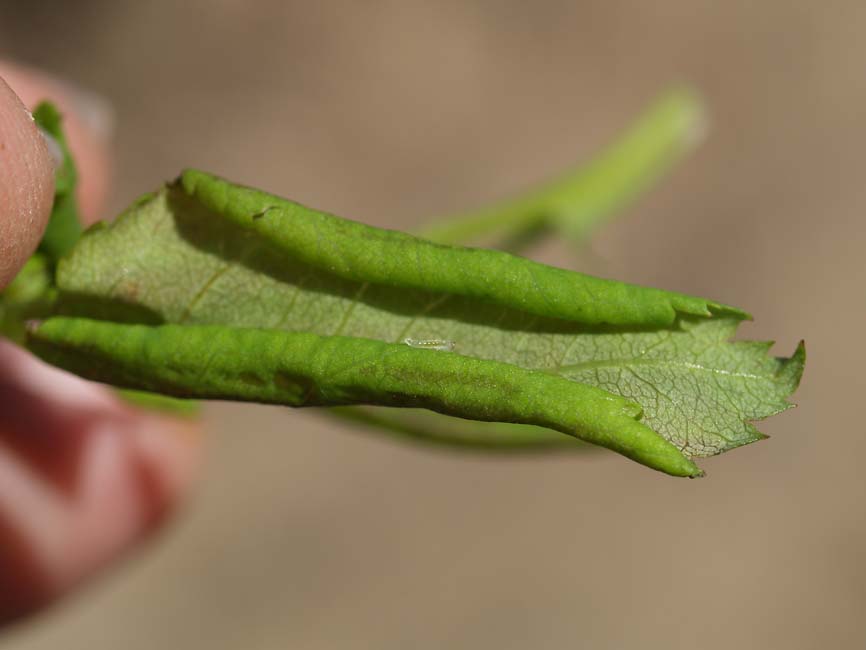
(26, 184)
(88, 124)
(84, 477)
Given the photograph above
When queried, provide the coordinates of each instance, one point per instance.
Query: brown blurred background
(308, 535)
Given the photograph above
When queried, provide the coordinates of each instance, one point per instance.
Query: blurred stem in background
(428, 427)
(583, 199)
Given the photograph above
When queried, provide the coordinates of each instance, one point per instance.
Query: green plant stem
(440, 430)
(581, 200)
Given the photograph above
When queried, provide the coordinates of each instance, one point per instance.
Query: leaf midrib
(638, 361)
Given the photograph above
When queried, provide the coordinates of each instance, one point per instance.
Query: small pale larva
(431, 344)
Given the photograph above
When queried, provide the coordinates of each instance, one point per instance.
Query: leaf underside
(170, 259)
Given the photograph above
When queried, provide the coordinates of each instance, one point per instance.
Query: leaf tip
(685, 467)
(791, 369)
(721, 310)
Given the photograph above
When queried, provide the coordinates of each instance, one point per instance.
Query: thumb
(26, 184)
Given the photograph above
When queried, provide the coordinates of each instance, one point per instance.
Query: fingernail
(53, 147)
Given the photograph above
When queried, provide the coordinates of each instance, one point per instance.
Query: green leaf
(354, 252)
(31, 295)
(303, 369)
(206, 253)
(64, 227)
